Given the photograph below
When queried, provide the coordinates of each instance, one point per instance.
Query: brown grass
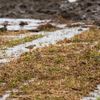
(61, 73)
(90, 36)
(14, 33)
(12, 43)
(47, 27)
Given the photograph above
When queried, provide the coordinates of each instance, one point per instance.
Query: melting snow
(5, 96)
(71, 0)
(51, 38)
(94, 95)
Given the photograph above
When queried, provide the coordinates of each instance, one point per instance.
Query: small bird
(5, 26)
(30, 47)
(96, 57)
(38, 54)
(22, 24)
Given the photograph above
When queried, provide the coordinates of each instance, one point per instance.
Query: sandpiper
(38, 54)
(5, 26)
(22, 24)
(30, 47)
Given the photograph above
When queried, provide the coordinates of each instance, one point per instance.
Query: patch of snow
(46, 40)
(40, 42)
(22, 35)
(94, 95)
(32, 80)
(24, 84)
(4, 60)
(14, 23)
(14, 90)
(5, 97)
(2, 84)
(81, 23)
(89, 98)
(23, 95)
(17, 21)
(86, 47)
(72, 0)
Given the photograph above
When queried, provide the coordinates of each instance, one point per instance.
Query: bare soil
(50, 9)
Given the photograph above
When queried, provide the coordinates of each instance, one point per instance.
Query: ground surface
(62, 71)
(48, 9)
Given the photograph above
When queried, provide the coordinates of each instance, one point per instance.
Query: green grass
(97, 98)
(20, 41)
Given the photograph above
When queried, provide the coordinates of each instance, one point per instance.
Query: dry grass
(20, 41)
(61, 73)
(93, 23)
(48, 27)
(67, 75)
(90, 36)
(14, 33)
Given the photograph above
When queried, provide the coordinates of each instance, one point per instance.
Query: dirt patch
(80, 10)
(38, 9)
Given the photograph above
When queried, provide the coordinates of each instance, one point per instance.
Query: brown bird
(23, 23)
(5, 26)
(30, 47)
(38, 54)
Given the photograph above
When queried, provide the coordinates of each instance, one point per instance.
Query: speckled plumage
(30, 46)
(38, 54)
(5, 26)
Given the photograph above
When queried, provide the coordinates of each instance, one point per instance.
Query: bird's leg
(5, 28)
(30, 51)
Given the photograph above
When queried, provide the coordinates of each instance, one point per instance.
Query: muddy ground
(80, 10)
